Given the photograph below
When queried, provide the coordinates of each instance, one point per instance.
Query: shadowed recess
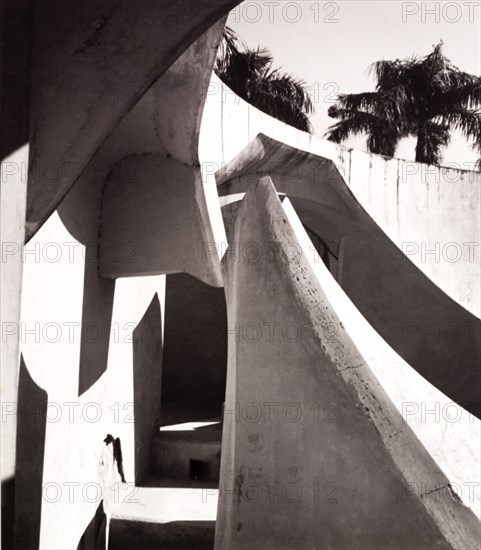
(178, 535)
(195, 349)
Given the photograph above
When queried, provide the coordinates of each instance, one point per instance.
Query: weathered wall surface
(13, 195)
(431, 414)
(76, 327)
(432, 214)
(361, 460)
(53, 333)
(91, 342)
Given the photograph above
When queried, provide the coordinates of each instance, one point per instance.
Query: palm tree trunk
(421, 144)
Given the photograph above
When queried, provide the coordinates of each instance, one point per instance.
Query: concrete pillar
(32, 426)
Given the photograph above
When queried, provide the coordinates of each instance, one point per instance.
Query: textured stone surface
(91, 62)
(424, 325)
(289, 478)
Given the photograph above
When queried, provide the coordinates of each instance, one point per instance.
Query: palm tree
(250, 74)
(424, 97)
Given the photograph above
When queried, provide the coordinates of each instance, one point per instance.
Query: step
(187, 535)
(187, 455)
(165, 518)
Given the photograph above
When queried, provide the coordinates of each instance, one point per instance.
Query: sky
(330, 45)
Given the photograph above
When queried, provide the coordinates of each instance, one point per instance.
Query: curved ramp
(315, 455)
(434, 334)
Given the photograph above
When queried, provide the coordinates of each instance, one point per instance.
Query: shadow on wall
(97, 307)
(147, 350)
(31, 429)
(8, 511)
(80, 213)
(95, 533)
(195, 350)
(15, 104)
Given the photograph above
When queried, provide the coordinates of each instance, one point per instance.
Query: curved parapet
(85, 79)
(314, 452)
(434, 334)
(419, 207)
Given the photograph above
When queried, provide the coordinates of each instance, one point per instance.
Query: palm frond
(431, 137)
(468, 122)
(250, 74)
(425, 97)
(381, 138)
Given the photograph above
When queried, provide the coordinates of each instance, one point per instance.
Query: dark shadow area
(31, 429)
(199, 470)
(187, 458)
(80, 212)
(15, 26)
(147, 359)
(195, 350)
(97, 307)
(181, 535)
(325, 253)
(117, 454)
(94, 536)
(8, 512)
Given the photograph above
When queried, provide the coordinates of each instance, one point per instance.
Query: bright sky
(330, 45)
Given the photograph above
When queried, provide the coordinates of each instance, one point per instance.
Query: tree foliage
(251, 75)
(424, 97)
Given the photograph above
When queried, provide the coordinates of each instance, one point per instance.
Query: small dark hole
(199, 470)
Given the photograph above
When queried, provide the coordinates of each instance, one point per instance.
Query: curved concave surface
(314, 453)
(434, 334)
(91, 63)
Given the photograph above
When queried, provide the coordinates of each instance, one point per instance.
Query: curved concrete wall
(362, 462)
(76, 326)
(430, 213)
(95, 343)
(229, 125)
(397, 299)
(67, 129)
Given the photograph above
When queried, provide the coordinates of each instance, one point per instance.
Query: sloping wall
(430, 213)
(230, 124)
